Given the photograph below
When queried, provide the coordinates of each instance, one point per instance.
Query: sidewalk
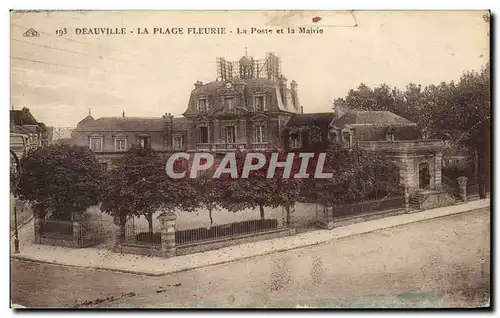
(103, 259)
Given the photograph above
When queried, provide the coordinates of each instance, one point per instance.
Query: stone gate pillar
(118, 234)
(462, 188)
(37, 224)
(77, 230)
(167, 223)
(407, 199)
(438, 166)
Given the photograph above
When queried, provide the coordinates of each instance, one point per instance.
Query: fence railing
(223, 231)
(140, 236)
(368, 206)
(56, 228)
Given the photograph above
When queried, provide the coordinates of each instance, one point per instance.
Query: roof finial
(90, 114)
(246, 50)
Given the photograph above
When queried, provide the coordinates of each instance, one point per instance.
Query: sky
(61, 78)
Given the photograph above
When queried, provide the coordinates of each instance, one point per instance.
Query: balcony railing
(402, 145)
(203, 146)
(233, 146)
(261, 146)
(228, 146)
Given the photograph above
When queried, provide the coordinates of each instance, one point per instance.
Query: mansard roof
(132, 124)
(371, 118)
(211, 88)
(312, 119)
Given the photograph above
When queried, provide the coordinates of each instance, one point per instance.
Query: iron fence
(368, 206)
(92, 229)
(140, 236)
(56, 228)
(224, 231)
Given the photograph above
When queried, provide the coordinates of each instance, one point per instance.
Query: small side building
(419, 161)
(111, 137)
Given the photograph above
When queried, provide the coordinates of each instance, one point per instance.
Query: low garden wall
(170, 242)
(229, 241)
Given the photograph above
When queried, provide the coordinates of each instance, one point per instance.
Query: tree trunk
(261, 209)
(149, 217)
(210, 216)
(287, 209)
(123, 222)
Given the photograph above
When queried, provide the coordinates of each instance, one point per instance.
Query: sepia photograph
(250, 159)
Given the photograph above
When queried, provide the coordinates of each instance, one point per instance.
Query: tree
(357, 175)
(465, 116)
(258, 191)
(139, 185)
(59, 179)
(458, 112)
(209, 192)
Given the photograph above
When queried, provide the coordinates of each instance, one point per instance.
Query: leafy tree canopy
(60, 179)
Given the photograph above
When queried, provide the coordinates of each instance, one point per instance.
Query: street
(443, 262)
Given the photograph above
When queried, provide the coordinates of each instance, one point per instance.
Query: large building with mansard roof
(251, 105)
(246, 106)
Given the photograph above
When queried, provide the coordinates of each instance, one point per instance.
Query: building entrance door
(423, 175)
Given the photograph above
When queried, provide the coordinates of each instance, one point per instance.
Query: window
(204, 135)
(390, 134)
(144, 142)
(296, 141)
(333, 136)
(177, 142)
(230, 104)
(104, 166)
(259, 103)
(95, 143)
(258, 133)
(346, 138)
(121, 144)
(202, 105)
(230, 134)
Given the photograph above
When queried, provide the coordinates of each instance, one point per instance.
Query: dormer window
(347, 138)
(390, 134)
(202, 105)
(259, 103)
(121, 143)
(296, 140)
(333, 136)
(144, 141)
(230, 103)
(95, 143)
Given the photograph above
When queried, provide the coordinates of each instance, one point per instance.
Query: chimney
(283, 88)
(123, 114)
(295, 98)
(168, 119)
(340, 107)
(301, 109)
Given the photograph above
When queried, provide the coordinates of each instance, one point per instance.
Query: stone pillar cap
(169, 216)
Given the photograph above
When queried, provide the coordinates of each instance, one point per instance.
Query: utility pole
(16, 234)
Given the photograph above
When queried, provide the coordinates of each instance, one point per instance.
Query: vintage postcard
(250, 159)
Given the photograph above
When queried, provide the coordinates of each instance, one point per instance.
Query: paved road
(436, 263)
